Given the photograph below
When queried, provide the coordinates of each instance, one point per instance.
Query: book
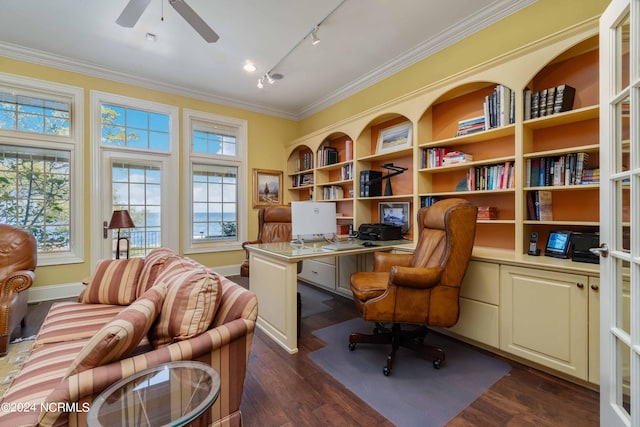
(368, 188)
(544, 206)
(564, 98)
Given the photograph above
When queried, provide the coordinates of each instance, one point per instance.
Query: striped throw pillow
(193, 297)
(153, 265)
(114, 282)
(118, 337)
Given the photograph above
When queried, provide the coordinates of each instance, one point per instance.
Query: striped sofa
(56, 385)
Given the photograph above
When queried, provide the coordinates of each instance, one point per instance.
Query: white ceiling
(362, 42)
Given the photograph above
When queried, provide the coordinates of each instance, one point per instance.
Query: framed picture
(394, 138)
(267, 187)
(395, 214)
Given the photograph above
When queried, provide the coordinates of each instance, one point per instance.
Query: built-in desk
(274, 281)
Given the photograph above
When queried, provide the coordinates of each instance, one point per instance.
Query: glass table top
(170, 394)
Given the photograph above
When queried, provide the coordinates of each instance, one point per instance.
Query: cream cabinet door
(543, 318)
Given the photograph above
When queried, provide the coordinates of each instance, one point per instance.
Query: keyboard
(342, 246)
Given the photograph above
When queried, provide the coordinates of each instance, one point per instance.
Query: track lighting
(271, 77)
(314, 37)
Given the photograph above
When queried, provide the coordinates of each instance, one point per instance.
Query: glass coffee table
(170, 394)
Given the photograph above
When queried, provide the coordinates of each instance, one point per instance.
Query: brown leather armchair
(420, 289)
(18, 258)
(274, 225)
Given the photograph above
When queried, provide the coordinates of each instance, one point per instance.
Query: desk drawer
(478, 321)
(319, 273)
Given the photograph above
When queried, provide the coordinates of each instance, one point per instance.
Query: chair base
(413, 339)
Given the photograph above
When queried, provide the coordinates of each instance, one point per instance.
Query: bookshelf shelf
(335, 166)
(471, 193)
(467, 165)
(387, 156)
(567, 117)
(572, 224)
(472, 138)
(564, 187)
(591, 148)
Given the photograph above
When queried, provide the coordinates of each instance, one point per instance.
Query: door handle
(603, 250)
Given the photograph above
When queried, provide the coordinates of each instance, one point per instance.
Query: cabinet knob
(595, 287)
(580, 285)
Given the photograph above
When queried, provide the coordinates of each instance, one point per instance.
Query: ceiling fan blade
(132, 12)
(194, 20)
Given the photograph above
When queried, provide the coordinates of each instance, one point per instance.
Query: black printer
(581, 243)
(379, 232)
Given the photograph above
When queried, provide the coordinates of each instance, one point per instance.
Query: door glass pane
(622, 55)
(623, 299)
(137, 188)
(622, 224)
(622, 136)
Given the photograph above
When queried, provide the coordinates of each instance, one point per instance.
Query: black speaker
(582, 242)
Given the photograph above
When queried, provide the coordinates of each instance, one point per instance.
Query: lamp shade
(121, 219)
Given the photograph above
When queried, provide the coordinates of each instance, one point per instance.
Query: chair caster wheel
(352, 346)
(386, 371)
(437, 364)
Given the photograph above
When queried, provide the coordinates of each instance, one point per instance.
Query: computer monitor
(313, 220)
(395, 214)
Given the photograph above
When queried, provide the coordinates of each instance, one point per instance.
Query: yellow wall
(267, 137)
(532, 23)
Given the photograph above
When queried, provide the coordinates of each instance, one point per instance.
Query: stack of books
(590, 176)
(456, 157)
(487, 212)
(548, 101)
(472, 125)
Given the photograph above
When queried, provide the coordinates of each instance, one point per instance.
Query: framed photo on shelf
(394, 138)
(395, 214)
(267, 187)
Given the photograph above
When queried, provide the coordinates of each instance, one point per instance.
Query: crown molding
(486, 17)
(34, 56)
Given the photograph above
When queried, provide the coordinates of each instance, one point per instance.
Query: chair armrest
(415, 277)
(383, 261)
(17, 282)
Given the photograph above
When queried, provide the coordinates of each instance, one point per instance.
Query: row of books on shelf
(498, 110)
(549, 101)
(490, 177)
(346, 172)
(302, 180)
(304, 162)
(559, 170)
(436, 157)
(327, 156)
(539, 205)
(332, 192)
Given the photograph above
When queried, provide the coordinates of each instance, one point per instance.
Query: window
(214, 156)
(134, 147)
(41, 184)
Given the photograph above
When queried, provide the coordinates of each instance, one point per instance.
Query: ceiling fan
(134, 9)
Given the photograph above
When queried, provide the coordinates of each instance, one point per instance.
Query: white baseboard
(52, 292)
(69, 290)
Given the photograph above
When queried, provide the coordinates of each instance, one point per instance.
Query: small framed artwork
(395, 214)
(267, 187)
(394, 138)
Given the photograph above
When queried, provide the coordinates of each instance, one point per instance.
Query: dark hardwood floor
(290, 390)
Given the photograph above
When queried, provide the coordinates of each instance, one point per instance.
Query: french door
(619, 214)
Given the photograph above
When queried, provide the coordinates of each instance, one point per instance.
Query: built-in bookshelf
(478, 138)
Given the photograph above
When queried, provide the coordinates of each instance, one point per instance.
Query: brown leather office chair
(274, 225)
(420, 289)
(18, 258)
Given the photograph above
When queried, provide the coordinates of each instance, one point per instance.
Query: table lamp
(121, 219)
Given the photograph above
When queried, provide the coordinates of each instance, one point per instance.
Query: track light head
(314, 37)
(270, 79)
(260, 83)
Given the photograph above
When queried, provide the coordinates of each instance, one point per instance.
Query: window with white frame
(41, 172)
(136, 169)
(214, 150)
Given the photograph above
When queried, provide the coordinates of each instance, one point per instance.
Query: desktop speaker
(582, 242)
